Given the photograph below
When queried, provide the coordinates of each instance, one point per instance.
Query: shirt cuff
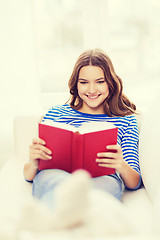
(29, 180)
(138, 185)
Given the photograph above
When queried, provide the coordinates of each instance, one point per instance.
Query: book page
(86, 127)
(89, 127)
(60, 125)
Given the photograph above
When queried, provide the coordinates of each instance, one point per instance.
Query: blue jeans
(45, 182)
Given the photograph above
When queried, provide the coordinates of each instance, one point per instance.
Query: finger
(106, 160)
(107, 165)
(39, 154)
(38, 157)
(40, 147)
(113, 147)
(107, 155)
(38, 141)
(44, 154)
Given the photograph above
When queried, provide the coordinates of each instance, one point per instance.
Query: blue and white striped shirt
(128, 134)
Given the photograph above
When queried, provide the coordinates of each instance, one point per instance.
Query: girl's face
(92, 89)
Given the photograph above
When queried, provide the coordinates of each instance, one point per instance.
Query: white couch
(141, 207)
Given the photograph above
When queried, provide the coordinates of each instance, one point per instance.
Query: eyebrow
(95, 79)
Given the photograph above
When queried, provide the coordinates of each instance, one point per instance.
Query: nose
(92, 88)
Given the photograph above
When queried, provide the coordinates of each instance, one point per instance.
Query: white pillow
(149, 149)
(156, 215)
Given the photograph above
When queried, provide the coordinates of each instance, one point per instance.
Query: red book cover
(74, 150)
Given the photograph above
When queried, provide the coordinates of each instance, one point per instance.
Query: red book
(74, 150)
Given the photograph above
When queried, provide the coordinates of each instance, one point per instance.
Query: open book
(74, 148)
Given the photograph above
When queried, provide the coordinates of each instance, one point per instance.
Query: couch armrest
(25, 129)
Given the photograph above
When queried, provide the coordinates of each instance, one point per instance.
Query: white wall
(31, 53)
(19, 90)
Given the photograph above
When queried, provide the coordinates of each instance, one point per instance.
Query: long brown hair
(116, 103)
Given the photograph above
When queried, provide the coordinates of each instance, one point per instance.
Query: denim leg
(45, 182)
(111, 184)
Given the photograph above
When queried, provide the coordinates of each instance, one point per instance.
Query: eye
(82, 82)
(101, 81)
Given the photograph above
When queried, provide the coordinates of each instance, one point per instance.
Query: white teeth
(92, 97)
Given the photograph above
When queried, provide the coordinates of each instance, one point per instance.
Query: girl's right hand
(39, 151)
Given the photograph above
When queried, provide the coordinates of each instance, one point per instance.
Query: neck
(91, 111)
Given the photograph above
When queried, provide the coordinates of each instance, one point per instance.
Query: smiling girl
(92, 89)
(96, 96)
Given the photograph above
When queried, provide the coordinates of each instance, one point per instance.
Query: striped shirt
(128, 134)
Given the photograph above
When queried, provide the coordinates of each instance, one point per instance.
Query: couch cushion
(25, 129)
(149, 149)
(18, 195)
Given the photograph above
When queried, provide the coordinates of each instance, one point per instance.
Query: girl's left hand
(112, 159)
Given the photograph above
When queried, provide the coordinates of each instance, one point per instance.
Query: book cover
(72, 149)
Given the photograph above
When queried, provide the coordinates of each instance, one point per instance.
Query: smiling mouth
(93, 96)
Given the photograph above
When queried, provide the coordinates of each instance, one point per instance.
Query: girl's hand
(38, 151)
(112, 159)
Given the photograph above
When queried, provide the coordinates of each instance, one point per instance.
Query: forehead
(91, 71)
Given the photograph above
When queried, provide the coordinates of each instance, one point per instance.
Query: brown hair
(116, 103)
